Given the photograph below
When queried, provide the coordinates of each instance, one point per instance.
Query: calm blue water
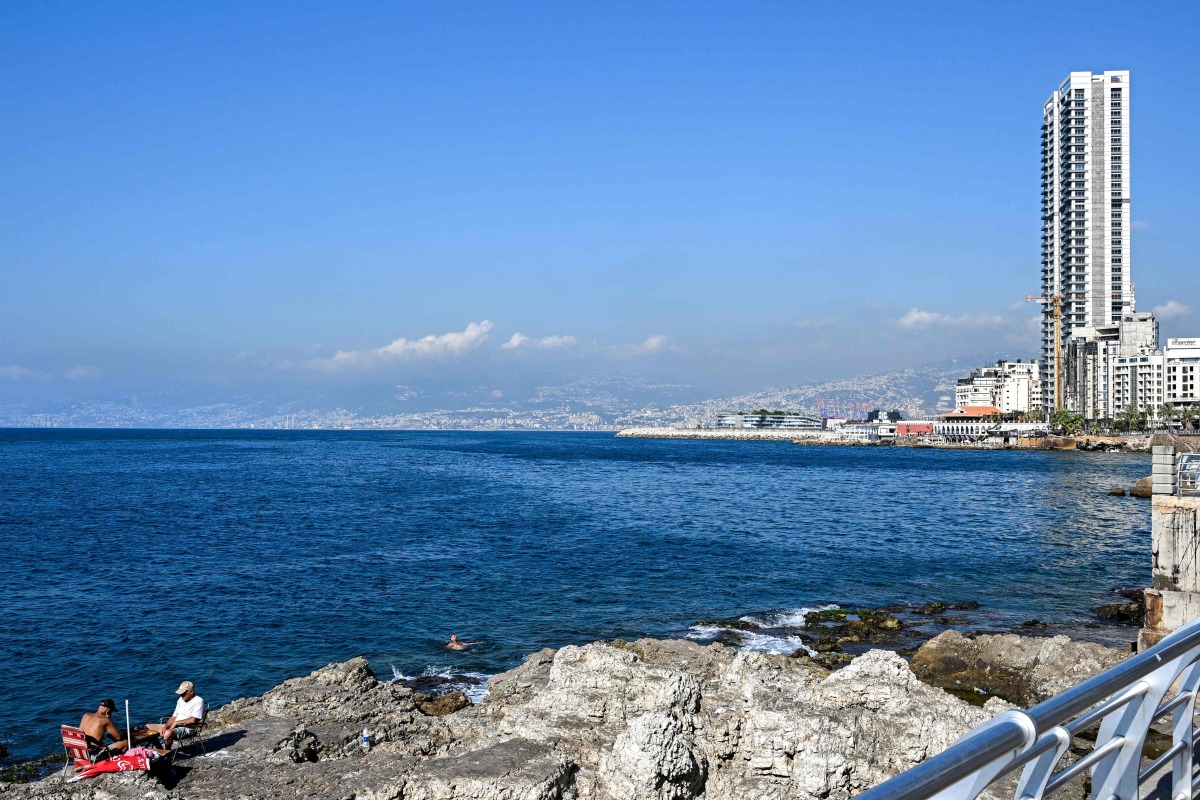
(134, 560)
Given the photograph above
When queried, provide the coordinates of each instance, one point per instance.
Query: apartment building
(1092, 356)
(1181, 372)
(1011, 386)
(1085, 209)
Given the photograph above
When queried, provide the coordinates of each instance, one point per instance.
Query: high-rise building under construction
(1085, 211)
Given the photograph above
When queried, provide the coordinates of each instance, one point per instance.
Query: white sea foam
(763, 640)
(779, 645)
(703, 632)
(474, 687)
(790, 618)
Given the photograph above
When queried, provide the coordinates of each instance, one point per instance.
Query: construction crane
(1055, 302)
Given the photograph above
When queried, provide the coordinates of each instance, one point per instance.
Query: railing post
(1184, 733)
(1039, 771)
(1115, 777)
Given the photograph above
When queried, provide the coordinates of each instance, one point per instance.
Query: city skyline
(475, 202)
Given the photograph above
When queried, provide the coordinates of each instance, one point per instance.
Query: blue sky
(228, 195)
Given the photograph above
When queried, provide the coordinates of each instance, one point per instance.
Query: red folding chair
(76, 744)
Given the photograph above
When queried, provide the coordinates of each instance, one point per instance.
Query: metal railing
(1125, 700)
(1187, 476)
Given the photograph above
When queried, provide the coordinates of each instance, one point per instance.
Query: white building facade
(785, 421)
(1011, 386)
(1085, 209)
(1181, 372)
(1092, 356)
(1136, 382)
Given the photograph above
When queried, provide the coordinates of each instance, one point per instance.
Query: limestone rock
(1022, 670)
(1127, 613)
(645, 720)
(513, 770)
(439, 705)
(673, 720)
(1143, 488)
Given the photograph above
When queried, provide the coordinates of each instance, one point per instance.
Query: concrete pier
(1174, 597)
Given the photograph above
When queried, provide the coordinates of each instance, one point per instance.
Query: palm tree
(1188, 415)
(1130, 417)
(1166, 414)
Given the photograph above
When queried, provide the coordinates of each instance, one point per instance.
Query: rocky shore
(652, 719)
(1128, 444)
(722, 434)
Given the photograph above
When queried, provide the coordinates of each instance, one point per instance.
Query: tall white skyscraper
(1085, 209)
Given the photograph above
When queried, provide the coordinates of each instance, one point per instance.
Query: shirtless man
(455, 644)
(98, 724)
(189, 709)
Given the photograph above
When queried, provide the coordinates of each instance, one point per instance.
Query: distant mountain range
(588, 403)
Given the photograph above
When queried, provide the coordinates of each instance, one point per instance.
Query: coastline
(616, 718)
(1129, 444)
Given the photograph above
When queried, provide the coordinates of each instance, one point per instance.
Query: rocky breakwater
(722, 434)
(660, 720)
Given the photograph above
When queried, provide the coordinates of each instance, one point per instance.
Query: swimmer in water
(455, 644)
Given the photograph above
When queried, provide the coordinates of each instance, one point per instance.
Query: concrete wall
(1174, 597)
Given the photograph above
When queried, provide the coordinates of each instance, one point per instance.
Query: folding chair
(76, 744)
(195, 736)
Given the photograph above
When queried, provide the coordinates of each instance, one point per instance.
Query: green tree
(1188, 415)
(1068, 422)
(1130, 418)
(1166, 415)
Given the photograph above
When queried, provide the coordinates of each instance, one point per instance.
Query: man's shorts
(184, 733)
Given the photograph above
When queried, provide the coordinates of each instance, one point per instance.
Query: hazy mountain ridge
(593, 402)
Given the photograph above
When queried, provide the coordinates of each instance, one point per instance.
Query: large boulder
(673, 721)
(1024, 670)
(1143, 488)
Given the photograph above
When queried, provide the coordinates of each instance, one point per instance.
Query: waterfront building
(967, 423)
(1137, 382)
(781, 420)
(1091, 358)
(914, 429)
(1085, 209)
(1012, 386)
(868, 432)
(1181, 368)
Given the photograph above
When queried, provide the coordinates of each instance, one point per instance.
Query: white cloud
(656, 343)
(1172, 309)
(83, 374)
(1139, 225)
(557, 341)
(916, 319)
(546, 342)
(446, 345)
(15, 372)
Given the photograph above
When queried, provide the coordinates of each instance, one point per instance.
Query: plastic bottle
(366, 740)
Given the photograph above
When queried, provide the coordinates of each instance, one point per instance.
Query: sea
(133, 560)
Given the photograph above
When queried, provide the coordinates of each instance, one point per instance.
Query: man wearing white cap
(189, 709)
